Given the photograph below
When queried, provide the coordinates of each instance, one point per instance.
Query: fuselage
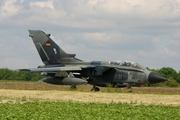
(115, 72)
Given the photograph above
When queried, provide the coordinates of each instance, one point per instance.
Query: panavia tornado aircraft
(64, 69)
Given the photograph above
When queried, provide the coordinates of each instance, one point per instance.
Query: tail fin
(48, 50)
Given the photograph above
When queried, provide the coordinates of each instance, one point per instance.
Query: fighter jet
(65, 69)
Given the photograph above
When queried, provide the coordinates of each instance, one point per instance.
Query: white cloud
(8, 9)
(155, 39)
(46, 4)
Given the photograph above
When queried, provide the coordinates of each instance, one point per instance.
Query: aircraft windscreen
(126, 63)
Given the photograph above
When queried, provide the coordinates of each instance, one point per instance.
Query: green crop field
(57, 110)
(21, 100)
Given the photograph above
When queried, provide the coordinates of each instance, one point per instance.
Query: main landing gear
(96, 89)
(129, 86)
(73, 87)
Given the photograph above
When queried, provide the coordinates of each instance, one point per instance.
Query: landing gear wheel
(129, 86)
(96, 89)
(73, 87)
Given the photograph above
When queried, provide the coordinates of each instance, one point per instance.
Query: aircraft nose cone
(155, 78)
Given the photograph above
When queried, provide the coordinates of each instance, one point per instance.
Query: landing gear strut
(95, 89)
(129, 86)
(73, 87)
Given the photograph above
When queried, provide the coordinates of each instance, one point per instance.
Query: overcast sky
(143, 31)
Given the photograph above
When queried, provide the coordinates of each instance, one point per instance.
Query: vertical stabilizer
(48, 50)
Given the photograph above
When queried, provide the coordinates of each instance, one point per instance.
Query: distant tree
(178, 76)
(7, 74)
(171, 82)
(169, 72)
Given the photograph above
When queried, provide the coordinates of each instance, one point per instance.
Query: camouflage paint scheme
(64, 69)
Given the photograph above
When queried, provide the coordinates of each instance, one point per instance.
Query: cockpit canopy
(127, 64)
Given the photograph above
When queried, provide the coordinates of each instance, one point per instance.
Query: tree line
(172, 75)
(7, 74)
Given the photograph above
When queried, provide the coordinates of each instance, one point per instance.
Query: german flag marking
(48, 44)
